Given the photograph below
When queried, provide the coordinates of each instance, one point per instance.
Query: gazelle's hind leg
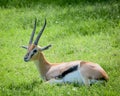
(93, 81)
(89, 82)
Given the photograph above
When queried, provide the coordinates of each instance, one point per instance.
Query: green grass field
(78, 30)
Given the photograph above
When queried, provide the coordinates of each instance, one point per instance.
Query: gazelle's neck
(42, 64)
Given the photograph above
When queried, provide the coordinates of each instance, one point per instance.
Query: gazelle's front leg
(55, 81)
(86, 81)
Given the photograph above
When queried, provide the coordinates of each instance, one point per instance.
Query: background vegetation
(78, 29)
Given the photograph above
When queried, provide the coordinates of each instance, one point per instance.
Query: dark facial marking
(34, 51)
(71, 69)
(32, 54)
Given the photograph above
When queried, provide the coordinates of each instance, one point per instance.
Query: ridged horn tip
(40, 33)
(33, 32)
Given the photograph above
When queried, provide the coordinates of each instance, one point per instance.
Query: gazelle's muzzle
(26, 57)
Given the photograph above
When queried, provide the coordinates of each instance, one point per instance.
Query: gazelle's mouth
(26, 59)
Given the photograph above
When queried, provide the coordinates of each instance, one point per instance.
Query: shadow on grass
(25, 86)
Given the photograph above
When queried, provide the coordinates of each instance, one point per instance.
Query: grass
(84, 30)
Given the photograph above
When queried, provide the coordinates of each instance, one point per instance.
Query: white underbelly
(73, 77)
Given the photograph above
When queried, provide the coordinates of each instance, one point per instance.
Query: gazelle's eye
(34, 51)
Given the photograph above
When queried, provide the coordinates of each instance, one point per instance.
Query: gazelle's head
(33, 49)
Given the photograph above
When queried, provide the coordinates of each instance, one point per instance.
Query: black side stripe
(71, 69)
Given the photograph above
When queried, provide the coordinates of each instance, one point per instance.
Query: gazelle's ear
(46, 47)
(25, 47)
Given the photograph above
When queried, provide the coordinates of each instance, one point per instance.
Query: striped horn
(33, 32)
(40, 33)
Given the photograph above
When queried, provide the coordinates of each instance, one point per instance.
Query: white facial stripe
(33, 52)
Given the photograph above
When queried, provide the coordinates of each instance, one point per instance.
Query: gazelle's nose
(26, 58)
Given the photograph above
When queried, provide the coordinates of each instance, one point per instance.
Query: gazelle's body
(80, 72)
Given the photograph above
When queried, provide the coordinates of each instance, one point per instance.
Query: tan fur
(43, 64)
(57, 69)
(31, 47)
(93, 71)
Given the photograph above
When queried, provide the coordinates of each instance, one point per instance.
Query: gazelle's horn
(33, 32)
(40, 33)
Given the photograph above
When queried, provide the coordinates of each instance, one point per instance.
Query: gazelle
(80, 72)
